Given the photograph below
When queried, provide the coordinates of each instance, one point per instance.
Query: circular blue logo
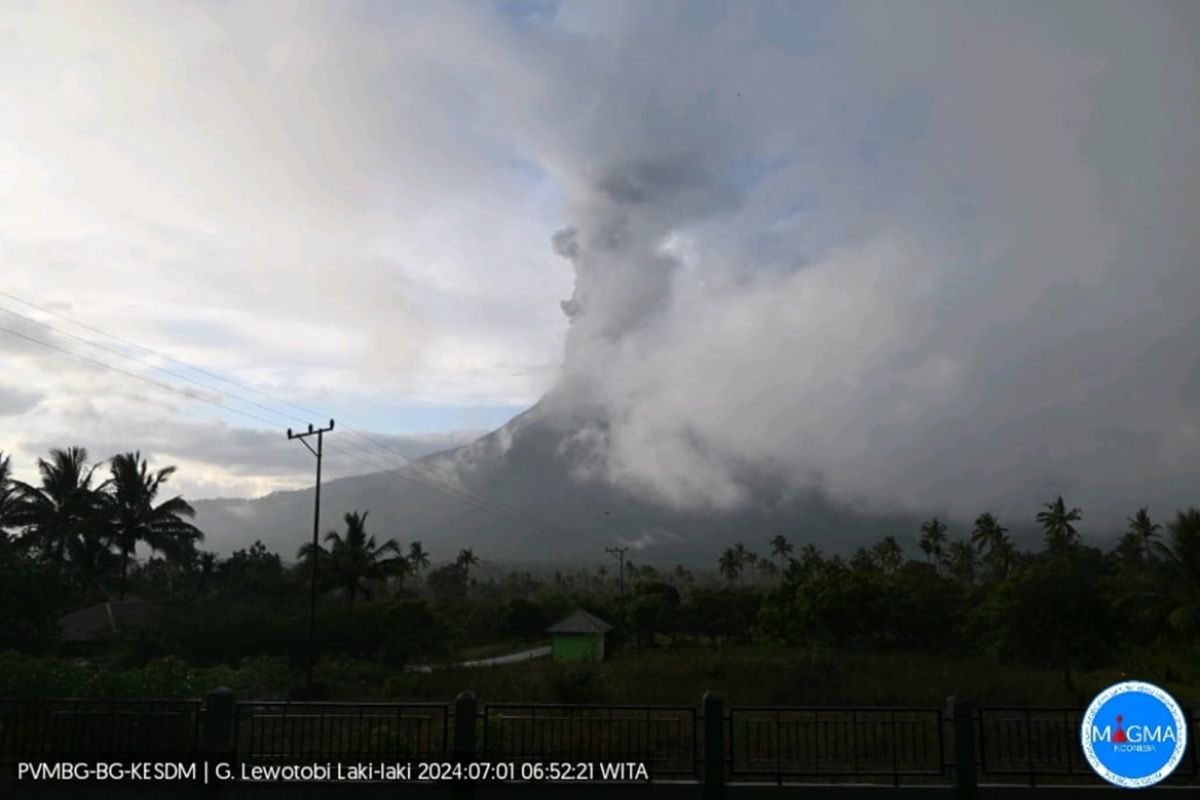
(1134, 734)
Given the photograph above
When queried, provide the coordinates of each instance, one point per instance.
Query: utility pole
(316, 547)
(619, 552)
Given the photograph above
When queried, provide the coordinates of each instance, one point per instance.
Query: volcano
(524, 493)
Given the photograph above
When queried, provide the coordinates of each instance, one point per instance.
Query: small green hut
(579, 636)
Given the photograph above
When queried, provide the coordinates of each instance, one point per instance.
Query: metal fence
(785, 744)
(1036, 746)
(664, 738)
(284, 732)
(894, 746)
(31, 730)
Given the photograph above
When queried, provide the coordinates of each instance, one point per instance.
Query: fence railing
(955, 745)
(1041, 745)
(661, 737)
(284, 732)
(37, 729)
(788, 743)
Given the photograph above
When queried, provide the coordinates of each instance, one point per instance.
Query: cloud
(16, 401)
(921, 256)
(942, 282)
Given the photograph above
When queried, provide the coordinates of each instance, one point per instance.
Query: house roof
(580, 621)
(104, 619)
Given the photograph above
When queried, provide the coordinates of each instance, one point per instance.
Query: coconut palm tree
(751, 561)
(992, 543)
(811, 559)
(1060, 534)
(1181, 553)
(961, 561)
(8, 497)
(418, 558)
(888, 554)
(66, 515)
(743, 557)
(164, 527)
(1144, 531)
(466, 559)
(781, 549)
(729, 564)
(933, 540)
(356, 560)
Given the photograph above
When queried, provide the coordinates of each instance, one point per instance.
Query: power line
(461, 493)
(352, 432)
(134, 375)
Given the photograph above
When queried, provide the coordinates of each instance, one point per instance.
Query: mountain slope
(513, 495)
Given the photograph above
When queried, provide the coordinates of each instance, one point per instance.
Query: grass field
(760, 676)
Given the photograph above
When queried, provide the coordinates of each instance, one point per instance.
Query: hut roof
(580, 621)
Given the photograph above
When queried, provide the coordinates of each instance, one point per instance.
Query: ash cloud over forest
(925, 257)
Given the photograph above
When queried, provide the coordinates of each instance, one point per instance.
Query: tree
(888, 554)
(65, 515)
(751, 561)
(811, 560)
(1060, 535)
(729, 565)
(742, 556)
(8, 497)
(781, 549)
(466, 559)
(356, 560)
(991, 541)
(961, 561)
(1053, 614)
(933, 540)
(137, 520)
(1143, 531)
(1182, 556)
(418, 558)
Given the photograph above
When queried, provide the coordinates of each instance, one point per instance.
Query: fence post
(966, 782)
(714, 746)
(217, 734)
(464, 727)
(465, 706)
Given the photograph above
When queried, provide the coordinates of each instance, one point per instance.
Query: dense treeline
(74, 538)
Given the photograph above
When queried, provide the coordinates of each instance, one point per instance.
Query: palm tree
(418, 557)
(1056, 525)
(466, 559)
(729, 564)
(1182, 556)
(356, 560)
(66, 514)
(742, 555)
(933, 537)
(961, 559)
(888, 554)
(8, 497)
(1144, 531)
(991, 541)
(136, 519)
(811, 559)
(781, 548)
(752, 562)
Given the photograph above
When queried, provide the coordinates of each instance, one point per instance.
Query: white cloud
(928, 256)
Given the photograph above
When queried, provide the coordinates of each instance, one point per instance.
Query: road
(511, 658)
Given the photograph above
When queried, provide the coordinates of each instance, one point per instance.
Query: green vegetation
(974, 615)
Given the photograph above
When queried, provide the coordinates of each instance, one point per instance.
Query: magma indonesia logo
(1134, 734)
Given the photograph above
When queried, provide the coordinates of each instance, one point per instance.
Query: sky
(925, 255)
